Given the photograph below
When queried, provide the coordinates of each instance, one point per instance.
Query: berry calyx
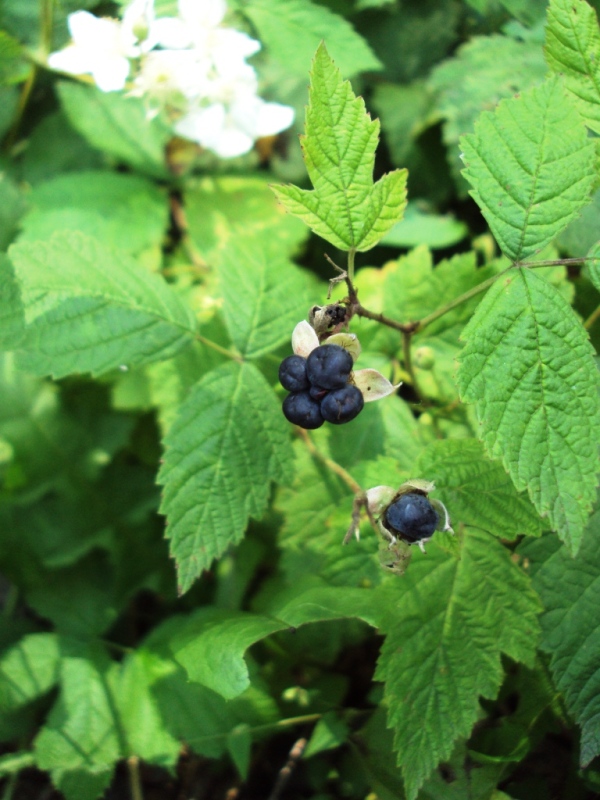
(329, 366)
(292, 374)
(300, 409)
(342, 405)
(411, 517)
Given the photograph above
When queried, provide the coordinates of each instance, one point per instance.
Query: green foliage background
(175, 592)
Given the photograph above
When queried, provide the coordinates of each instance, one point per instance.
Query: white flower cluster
(191, 66)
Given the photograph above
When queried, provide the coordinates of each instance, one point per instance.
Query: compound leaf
(228, 431)
(573, 50)
(528, 367)
(570, 591)
(475, 490)
(531, 166)
(345, 207)
(449, 621)
(90, 309)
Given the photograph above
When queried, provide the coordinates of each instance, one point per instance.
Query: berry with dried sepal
(300, 409)
(342, 405)
(329, 366)
(411, 517)
(292, 374)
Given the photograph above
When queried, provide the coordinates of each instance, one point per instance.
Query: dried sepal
(304, 339)
(349, 341)
(372, 384)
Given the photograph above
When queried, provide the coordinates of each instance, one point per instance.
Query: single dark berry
(292, 374)
(300, 409)
(317, 393)
(412, 517)
(329, 366)
(342, 405)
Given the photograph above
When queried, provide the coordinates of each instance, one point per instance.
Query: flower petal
(273, 118)
(372, 384)
(304, 339)
(349, 341)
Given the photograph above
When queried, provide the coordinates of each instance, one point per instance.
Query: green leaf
(529, 368)
(118, 126)
(570, 591)
(448, 623)
(229, 430)
(12, 319)
(531, 166)
(28, 670)
(330, 732)
(477, 491)
(573, 50)
(127, 211)
(79, 744)
(594, 268)
(292, 29)
(12, 207)
(211, 643)
(13, 67)
(404, 111)
(264, 294)
(433, 230)
(484, 71)
(225, 207)
(584, 231)
(53, 148)
(345, 207)
(89, 309)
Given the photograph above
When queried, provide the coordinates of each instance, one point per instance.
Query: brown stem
(331, 465)
(285, 772)
(408, 365)
(180, 220)
(592, 319)
(135, 783)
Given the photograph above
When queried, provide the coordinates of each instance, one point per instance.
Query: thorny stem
(135, 784)
(331, 465)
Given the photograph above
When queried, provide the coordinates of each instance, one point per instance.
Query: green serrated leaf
(529, 367)
(484, 71)
(531, 166)
(90, 309)
(264, 294)
(80, 734)
(449, 621)
(570, 591)
(210, 645)
(292, 29)
(475, 490)
(573, 50)
(345, 207)
(229, 430)
(225, 207)
(28, 670)
(13, 67)
(127, 211)
(117, 125)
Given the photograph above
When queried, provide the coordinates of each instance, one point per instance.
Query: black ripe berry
(292, 374)
(300, 409)
(329, 366)
(411, 517)
(342, 405)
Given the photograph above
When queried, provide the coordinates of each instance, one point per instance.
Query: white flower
(372, 384)
(170, 78)
(138, 21)
(101, 48)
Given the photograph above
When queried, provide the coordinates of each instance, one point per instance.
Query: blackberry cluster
(319, 388)
(411, 517)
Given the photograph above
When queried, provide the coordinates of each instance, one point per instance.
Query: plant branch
(223, 350)
(329, 463)
(180, 219)
(135, 784)
(592, 318)
(408, 365)
(285, 772)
